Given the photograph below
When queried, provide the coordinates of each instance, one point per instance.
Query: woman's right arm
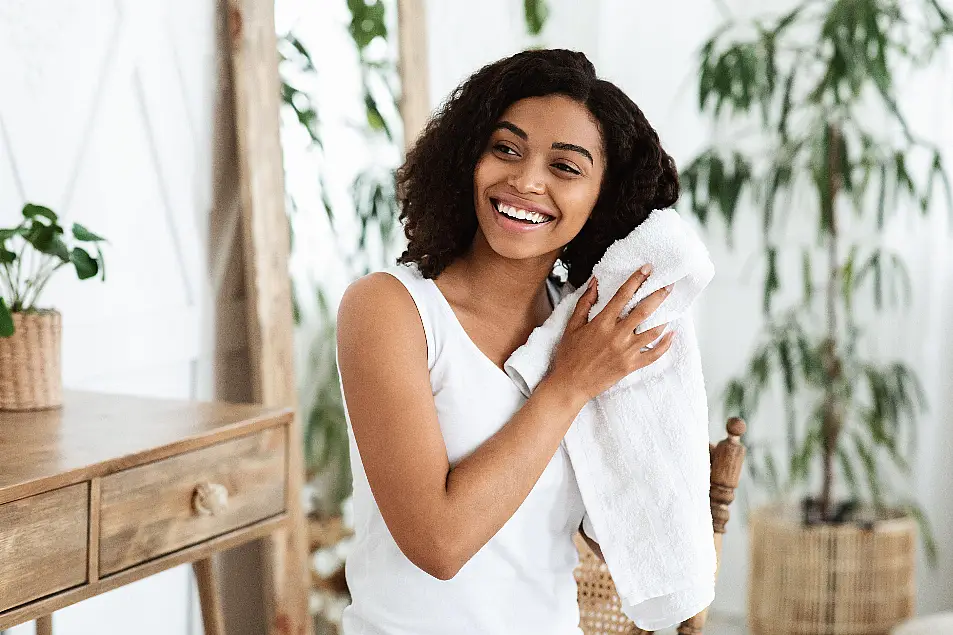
(439, 515)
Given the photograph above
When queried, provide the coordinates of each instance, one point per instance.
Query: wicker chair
(599, 605)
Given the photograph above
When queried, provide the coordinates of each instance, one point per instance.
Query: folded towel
(640, 449)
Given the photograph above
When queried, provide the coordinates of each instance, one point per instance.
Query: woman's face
(544, 160)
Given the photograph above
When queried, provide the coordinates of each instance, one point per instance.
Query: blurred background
(814, 141)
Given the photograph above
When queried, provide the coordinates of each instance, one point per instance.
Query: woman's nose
(528, 178)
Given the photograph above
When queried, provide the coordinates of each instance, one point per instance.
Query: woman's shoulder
(377, 313)
(378, 292)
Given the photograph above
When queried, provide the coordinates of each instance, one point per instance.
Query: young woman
(465, 504)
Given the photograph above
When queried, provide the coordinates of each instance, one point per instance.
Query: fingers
(580, 314)
(624, 294)
(646, 307)
(658, 350)
(644, 339)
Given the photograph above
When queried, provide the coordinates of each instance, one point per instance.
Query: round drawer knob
(209, 499)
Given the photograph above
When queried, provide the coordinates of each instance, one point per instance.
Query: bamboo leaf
(807, 276)
(771, 281)
(882, 197)
(926, 532)
(869, 463)
(536, 13)
(847, 469)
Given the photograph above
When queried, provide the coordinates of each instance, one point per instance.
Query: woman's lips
(513, 225)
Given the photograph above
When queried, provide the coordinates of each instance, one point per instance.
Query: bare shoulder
(377, 310)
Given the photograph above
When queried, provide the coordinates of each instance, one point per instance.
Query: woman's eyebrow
(512, 127)
(519, 132)
(573, 147)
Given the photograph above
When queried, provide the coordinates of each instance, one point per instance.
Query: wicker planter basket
(829, 580)
(30, 374)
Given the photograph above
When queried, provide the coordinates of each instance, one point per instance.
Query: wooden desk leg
(44, 625)
(209, 596)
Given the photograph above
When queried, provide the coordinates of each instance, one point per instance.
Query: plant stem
(831, 423)
(39, 281)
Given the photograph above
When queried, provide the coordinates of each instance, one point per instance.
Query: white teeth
(515, 212)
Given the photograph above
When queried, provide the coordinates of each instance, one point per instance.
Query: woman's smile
(515, 214)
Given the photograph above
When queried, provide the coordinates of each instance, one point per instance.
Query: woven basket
(30, 375)
(831, 579)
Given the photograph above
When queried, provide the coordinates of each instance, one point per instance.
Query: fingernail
(592, 282)
(646, 269)
(669, 287)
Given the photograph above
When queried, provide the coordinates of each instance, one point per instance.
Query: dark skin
(441, 515)
(498, 288)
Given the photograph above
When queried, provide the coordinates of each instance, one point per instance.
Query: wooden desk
(111, 489)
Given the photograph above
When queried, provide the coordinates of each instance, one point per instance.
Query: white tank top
(521, 581)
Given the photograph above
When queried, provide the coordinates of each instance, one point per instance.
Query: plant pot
(829, 579)
(30, 362)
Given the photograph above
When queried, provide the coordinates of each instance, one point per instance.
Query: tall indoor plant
(831, 144)
(30, 253)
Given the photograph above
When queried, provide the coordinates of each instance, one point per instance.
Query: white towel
(640, 449)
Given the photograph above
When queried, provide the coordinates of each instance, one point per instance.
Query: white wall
(117, 114)
(649, 49)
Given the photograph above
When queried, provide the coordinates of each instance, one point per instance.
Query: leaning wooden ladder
(600, 609)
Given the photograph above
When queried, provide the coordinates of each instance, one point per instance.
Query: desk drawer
(43, 544)
(157, 508)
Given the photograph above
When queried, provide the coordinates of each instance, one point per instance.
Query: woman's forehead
(554, 118)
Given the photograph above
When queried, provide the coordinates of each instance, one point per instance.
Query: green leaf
(86, 265)
(367, 22)
(6, 320)
(6, 234)
(83, 234)
(870, 468)
(6, 256)
(926, 532)
(32, 211)
(45, 239)
(807, 276)
(536, 12)
(374, 117)
(847, 468)
(771, 282)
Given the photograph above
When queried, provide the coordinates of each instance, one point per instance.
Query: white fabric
(640, 449)
(521, 581)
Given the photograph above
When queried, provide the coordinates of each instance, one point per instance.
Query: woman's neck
(506, 288)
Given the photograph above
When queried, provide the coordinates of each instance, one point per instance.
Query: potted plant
(30, 253)
(817, 86)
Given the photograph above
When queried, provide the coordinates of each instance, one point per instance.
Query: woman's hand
(592, 356)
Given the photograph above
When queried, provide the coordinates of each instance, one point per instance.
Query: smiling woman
(465, 502)
(524, 182)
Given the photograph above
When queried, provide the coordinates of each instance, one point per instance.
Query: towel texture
(640, 449)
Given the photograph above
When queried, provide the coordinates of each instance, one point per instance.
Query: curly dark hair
(435, 183)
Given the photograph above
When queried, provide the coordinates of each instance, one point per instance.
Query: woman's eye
(564, 167)
(505, 149)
